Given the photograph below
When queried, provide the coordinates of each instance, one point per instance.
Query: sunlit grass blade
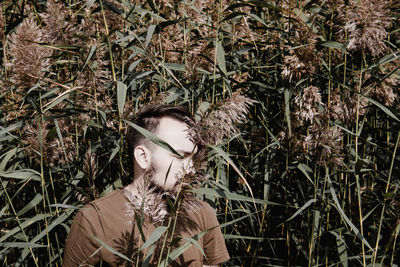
(112, 250)
(233, 196)
(22, 174)
(36, 200)
(121, 96)
(155, 235)
(344, 216)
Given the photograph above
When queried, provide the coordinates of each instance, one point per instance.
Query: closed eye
(187, 155)
(183, 155)
(179, 156)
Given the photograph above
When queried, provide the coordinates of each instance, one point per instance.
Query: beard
(154, 203)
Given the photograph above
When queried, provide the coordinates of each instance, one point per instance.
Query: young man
(122, 221)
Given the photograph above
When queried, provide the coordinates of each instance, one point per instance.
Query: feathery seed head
(28, 58)
(2, 27)
(222, 120)
(307, 104)
(365, 23)
(324, 143)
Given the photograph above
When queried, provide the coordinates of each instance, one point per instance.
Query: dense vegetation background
(311, 178)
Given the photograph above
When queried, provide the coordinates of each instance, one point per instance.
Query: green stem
(357, 175)
(108, 41)
(43, 182)
(19, 222)
(384, 204)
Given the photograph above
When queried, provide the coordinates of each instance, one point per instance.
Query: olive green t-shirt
(105, 231)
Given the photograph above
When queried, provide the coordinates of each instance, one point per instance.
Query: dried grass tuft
(365, 23)
(2, 27)
(222, 120)
(28, 58)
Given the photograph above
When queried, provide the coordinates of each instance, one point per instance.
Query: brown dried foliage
(222, 120)
(2, 27)
(364, 23)
(325, 144)
(152, 202)
(189, 39)
(308, 105)
(322, 141)
(344, 106)
(28, 58)
(386, 91)
(303, 59)
(44, 137)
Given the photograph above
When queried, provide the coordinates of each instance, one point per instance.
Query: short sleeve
(80, 244)
(213, 241)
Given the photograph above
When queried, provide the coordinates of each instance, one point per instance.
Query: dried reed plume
(222, 120)
(2, 27)
(303, 58)
(65, 28)
(28, 57)
(89, 165)
(53, 151)
(344, 106)
(322, 142)
(338, 109)
(307, 105)
(191, 41)
(325, 144)
(152, 200)
(365, 23)
(60, 26)
(386, 92)
(28, 60)
(151, 204)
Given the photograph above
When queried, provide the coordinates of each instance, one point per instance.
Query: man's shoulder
(110, 202)
(202, 212)
(109, 197)
(205, 206)
(108, 212)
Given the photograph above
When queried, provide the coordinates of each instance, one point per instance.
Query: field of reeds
(309, 176)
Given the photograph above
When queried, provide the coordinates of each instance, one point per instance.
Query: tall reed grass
(311, 178)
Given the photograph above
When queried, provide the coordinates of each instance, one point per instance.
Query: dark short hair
(149, 118)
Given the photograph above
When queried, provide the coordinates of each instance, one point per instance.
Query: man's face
(169, 168)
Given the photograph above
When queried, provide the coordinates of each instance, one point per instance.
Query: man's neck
(136, 187)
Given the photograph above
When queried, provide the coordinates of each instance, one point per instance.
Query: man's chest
(127, 242)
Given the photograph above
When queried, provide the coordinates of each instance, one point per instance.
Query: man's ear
(142, 156)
